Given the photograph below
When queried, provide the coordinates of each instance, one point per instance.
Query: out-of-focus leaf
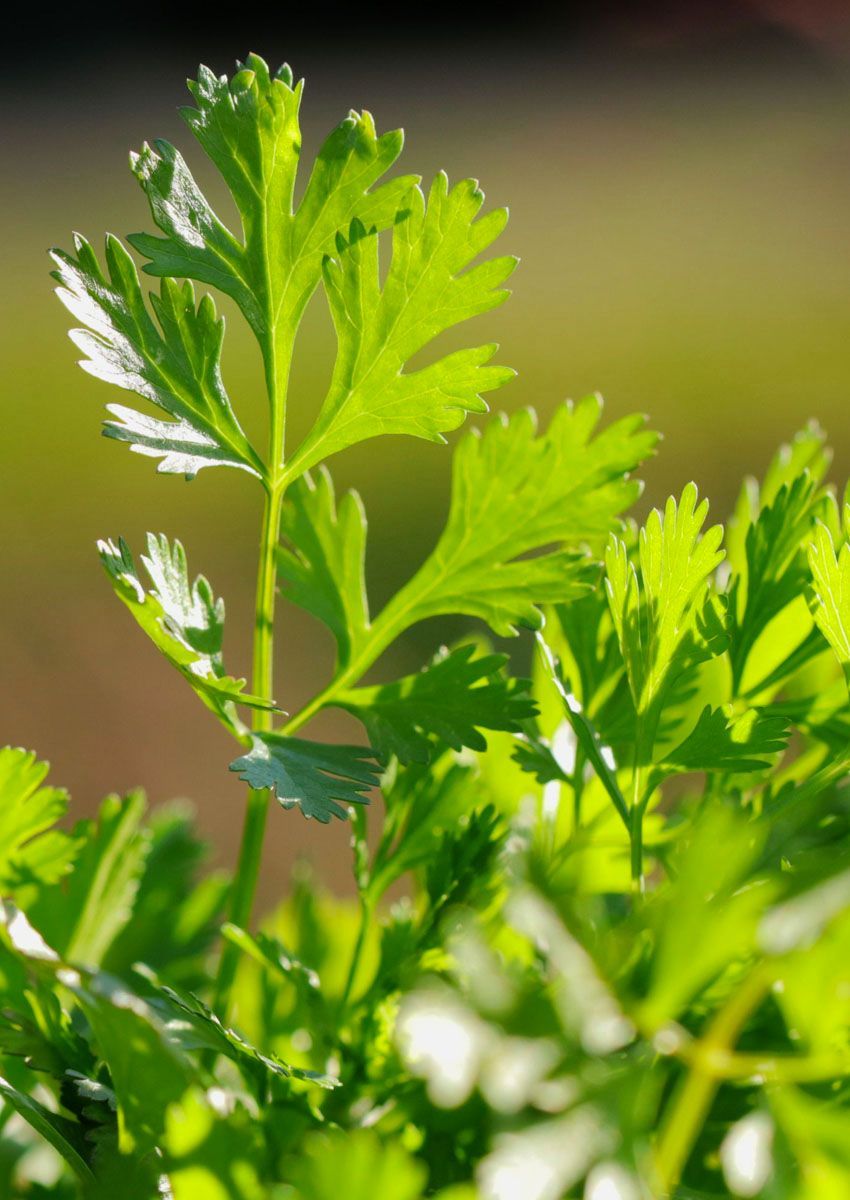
(32, 854)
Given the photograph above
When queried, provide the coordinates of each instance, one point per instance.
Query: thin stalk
(689, 1107)
(636, 829)
(262, 681)
(367, 909)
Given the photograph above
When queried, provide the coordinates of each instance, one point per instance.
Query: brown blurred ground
(683, 215)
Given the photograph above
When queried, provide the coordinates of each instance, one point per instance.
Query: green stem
(690, 1106)
(367, 909)
(262, 682)
(636, 831)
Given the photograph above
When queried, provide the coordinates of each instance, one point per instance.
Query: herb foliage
(620, 966)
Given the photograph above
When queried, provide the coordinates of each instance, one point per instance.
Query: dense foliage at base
(621, 966)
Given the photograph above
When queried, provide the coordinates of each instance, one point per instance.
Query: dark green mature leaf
(458, 694)
(323, 560)
(175, 364)
(380, 328)
(722, 742)
(183, 620)
(31, 853)
(249, 127)
(513, 494)
(319, 778)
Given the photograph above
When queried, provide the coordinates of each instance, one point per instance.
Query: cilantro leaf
(721, 742)
(99, 898)
(452, 699)
(192, 1025)
(380, 328)
(830, 602)
(249, 127)
(775, 573)
(514, 493)
(31, 852)
(663, 611)
(183, 620)
(64, 1135)
(208, 1153)
(323, 560)
(174, 362)
(319, 778)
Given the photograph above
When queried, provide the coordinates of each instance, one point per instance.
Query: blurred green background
(680, 199)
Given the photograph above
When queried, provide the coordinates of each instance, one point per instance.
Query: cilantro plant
(619, 966)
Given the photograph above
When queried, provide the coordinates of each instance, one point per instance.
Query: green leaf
(177, 909)
(101, 891)
(323, 560)
(64, 1135)
(249, 127)
(31, 853)
(370, 1168)
(209, 1156)
(706, 919)
(830, 602)
(515, 494)
(380, 329)
(192, 1025)
(148, 1072)
(422, 803)
(722, 742)
(586, 735)
(662, 609)
(807, 452)
(183, 620)
(319, 778)
(174, 362)
(452, 699)
(775, 573)
(271, 954)
(814, 1130)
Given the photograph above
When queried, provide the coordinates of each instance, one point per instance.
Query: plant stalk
(262, 681)
(690, 1106)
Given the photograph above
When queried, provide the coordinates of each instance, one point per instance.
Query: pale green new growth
(662, 614)
(379, 329)
(831, 591)
(515, 492)
(31, 851)
(322, 559)
(450, 700)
